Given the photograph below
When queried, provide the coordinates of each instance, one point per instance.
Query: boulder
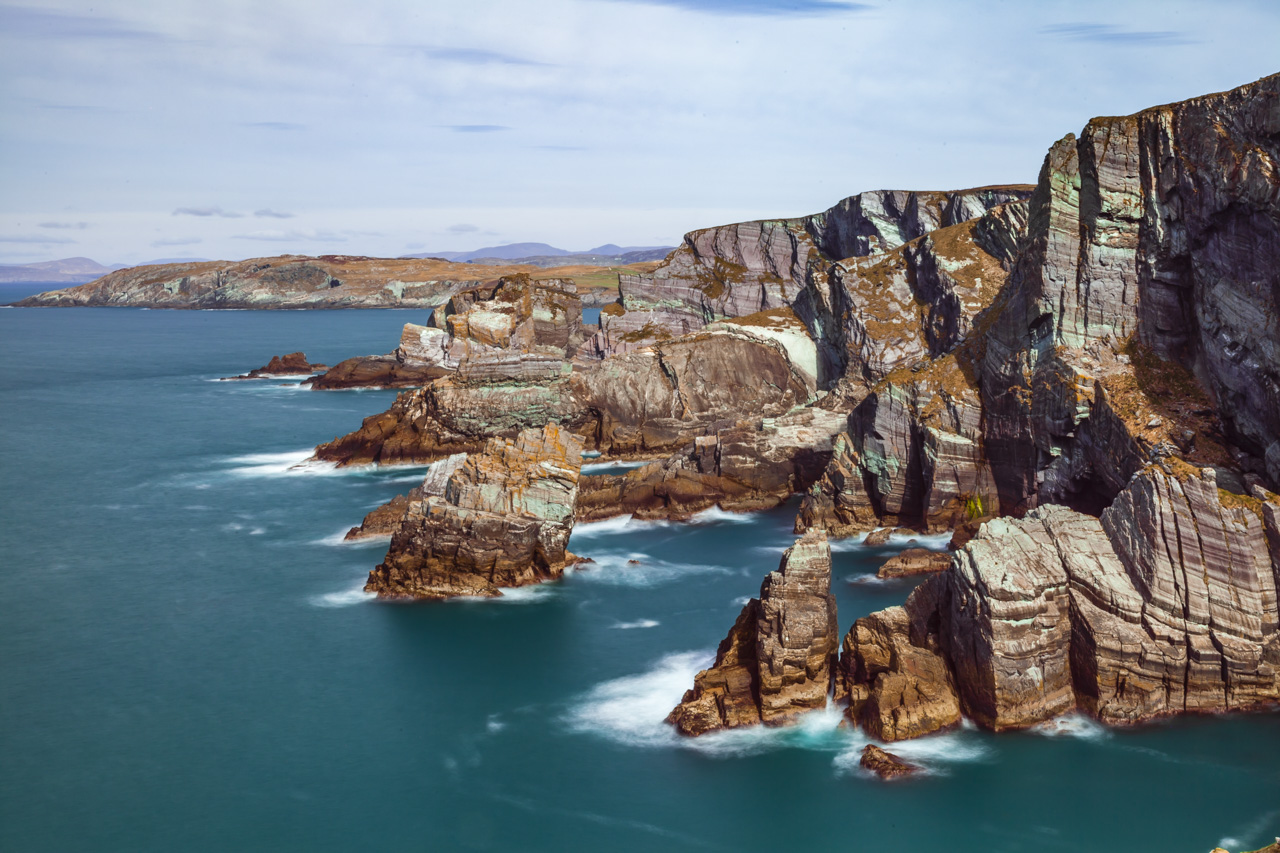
(884, 764)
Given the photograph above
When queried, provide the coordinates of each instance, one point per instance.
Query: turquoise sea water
(187, 663)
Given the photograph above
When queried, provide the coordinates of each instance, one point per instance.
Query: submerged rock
(778, 659)
(503, 520)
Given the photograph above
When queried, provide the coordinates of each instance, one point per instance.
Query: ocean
(187, 661)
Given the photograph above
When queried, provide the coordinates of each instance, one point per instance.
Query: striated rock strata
(779, 657)
(1164, 605)
(503, 520)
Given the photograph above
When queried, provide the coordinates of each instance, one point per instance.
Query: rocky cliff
(1164, 605)
(503, 520)
(779, 657)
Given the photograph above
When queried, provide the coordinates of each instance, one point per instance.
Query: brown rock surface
(385, 520)
(778, 659)
(293, 364)
(914, 561)
(503, 520)
(886, 765)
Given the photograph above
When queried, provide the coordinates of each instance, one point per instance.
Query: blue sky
(227, 129)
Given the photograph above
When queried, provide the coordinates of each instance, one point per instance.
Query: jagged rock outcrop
(913, 455)
(1162, 228)
(293, 364)
(503, 520)
(1165, 605)
(779, 657)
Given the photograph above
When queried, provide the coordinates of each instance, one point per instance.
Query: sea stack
(778, 658)
(503, 520)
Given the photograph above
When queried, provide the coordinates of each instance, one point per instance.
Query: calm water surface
(187, 663)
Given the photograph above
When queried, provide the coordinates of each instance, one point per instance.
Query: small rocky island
(1081, 377)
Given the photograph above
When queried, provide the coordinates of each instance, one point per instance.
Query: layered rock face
(913, 455)
(503, 520)
(748, 267)
(779, 657)
(642, 404)
(1160, 227)
(1167, 604)
(751, 465)
(517, 330)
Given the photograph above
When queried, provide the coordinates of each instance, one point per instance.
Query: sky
(228, 129)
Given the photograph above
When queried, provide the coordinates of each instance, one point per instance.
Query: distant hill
(543, 255)
(65, 271)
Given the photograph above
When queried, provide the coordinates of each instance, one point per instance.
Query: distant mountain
(507, 252)
(540, 254)
(65, 271)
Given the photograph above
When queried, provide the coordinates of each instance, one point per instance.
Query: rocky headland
(1080, 378)
(297, 281)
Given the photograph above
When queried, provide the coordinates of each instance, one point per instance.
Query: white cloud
(601, 117)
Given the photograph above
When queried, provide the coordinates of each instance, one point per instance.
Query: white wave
(742, 601)
(257, 531)
(344, 598)
(513, 594)
(932, 753)
(637, 569)
(931, 541)
(632, 710)
(1074, 725)
(639, 623)
(611, 467)
(340, 540)
(276, 464)
(494, 725)
(716, 515)
(611, 527)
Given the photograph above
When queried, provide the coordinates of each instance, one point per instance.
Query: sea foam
(343, 598)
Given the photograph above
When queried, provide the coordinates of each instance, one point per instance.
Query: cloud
(177, 241)
(476, 56)
(207, 211)
(35, 239)
(780, 8)
(560, 147)
(27, 22)
(268, 213)
(78, 226)
(476, 128)
(273, 125)
(462, 228)
(1110, 34)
